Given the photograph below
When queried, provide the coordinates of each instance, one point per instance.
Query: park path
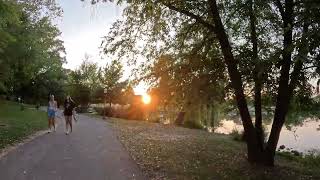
(91, 152)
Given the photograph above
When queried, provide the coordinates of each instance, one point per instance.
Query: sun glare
(146, 99)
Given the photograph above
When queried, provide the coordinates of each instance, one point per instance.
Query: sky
(83, 27)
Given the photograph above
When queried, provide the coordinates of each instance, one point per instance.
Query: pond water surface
(303, 136)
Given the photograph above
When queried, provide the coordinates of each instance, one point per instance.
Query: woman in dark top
(69, 105)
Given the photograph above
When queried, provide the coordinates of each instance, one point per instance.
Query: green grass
(171, 152)
(15, 124)
(311, 160)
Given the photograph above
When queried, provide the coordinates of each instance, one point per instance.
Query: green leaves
(29, 48)
(88, 82)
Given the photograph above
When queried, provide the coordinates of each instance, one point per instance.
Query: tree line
(90, 83)
(32, 55)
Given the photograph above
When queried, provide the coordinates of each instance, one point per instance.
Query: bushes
(119, 111)
(82, 109)
(104, 111)
(312, 159)
(193, 124)
(237, 135)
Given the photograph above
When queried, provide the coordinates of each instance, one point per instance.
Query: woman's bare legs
(54, 124)
(68, 123)
(66, 119)
(49, 125)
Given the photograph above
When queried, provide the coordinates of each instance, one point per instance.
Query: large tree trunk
(254, 153)
(274, 137)
(283, 97)
(257, 76)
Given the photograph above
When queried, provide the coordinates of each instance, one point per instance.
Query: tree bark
(213, 113)
(303, 52)
(180, 118)
(283, 97)
(257, 76)
(254, 154)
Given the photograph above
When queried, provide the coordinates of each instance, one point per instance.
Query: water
(303, 136)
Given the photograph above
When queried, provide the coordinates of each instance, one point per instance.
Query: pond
(301, 134)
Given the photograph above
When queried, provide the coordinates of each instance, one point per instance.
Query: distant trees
(83, 82)
(87, 83)
(32, 55)
(110, 80)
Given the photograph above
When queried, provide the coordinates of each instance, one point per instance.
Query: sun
(146, 99)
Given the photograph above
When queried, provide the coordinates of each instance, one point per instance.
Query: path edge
(14, 146)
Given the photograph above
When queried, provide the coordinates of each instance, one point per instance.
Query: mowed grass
(170, 152)
(15, 124)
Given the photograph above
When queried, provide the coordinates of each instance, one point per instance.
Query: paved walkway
(91, 152)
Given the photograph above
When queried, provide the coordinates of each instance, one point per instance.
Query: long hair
(68, 98)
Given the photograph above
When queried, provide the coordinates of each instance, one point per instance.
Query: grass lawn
(170, 152)
(16, 124)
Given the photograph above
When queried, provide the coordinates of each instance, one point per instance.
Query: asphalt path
(90, 152)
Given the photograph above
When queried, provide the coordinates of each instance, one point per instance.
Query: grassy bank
(16, 124)
(169, 152)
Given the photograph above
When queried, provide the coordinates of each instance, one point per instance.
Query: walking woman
(69, 105)
(52, 109)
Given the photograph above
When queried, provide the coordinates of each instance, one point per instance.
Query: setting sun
(146, 99)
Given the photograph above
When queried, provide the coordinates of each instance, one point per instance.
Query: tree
(188, 86)
(181, 26)
(86, 77)
(110, 78)
(32, 49)
(9, 15)
(84, 82)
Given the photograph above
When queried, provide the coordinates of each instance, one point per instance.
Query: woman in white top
(52, 109)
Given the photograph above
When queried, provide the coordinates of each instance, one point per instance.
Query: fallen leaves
(169, 152)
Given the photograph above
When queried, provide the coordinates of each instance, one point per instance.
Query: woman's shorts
(51, 113)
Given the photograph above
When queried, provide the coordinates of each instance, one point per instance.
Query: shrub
(237, 135)
(101, 111)
(119, 111)
(82, 109)
(312, 159)
(154, 117)
(192, 124)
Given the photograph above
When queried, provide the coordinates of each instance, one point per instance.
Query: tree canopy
(256, 48)
(31, 53)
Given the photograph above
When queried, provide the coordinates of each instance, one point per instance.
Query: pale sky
(83, 27)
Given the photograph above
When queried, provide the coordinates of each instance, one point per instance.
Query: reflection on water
(303, 137)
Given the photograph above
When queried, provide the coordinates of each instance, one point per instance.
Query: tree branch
(298, 65)
(305, 68)
(191, 15)
(186, 34)
(280, 7)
